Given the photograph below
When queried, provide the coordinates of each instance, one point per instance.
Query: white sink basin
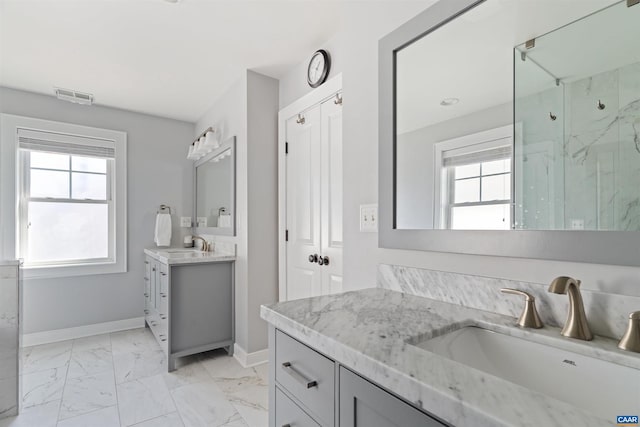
(596, 386)
(183, 251)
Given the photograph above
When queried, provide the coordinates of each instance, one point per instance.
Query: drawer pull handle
(286, 425)
(146, 294)
(298, 376)
(163, 339)
(163, 273)
(146, 262)
(146, 312)
(146, 279)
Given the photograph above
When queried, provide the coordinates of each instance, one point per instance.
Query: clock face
(318, 68)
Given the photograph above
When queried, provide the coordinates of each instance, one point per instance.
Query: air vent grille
(74, 96)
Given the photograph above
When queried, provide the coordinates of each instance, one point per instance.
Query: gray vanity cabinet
(309, 389)
(363, 404)
(189, 307)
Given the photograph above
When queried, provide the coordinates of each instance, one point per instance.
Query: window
(475, 182)
(70, 192)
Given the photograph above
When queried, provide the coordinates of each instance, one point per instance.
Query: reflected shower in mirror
(577, 116)
(558, 152)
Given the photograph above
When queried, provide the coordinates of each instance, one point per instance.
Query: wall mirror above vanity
(512, 128)
(214, 181)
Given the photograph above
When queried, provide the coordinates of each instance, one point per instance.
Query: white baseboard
(248, 360)
(57, 335)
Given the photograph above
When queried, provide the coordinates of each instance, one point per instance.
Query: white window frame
(12, 195)
(492, 138)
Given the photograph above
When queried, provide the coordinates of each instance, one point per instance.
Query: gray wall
(262, 167)
(248, 110)
(158, 172)
(359, 44)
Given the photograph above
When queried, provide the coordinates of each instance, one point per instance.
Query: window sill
(72, 270)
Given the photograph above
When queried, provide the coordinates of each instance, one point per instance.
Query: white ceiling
(155, 57)
(471, 58)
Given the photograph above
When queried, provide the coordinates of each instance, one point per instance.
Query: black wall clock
(318, 69)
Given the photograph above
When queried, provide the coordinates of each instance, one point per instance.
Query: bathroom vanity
(9, 337)
(386, 358)
(189, 301)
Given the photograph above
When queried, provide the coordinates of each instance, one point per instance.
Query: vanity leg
(230, 350)
(171, 364)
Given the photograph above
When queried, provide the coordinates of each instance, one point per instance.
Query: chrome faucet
(576, 325)
(206, 246)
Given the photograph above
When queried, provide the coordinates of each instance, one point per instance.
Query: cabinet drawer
(288, 413)
(307, 375)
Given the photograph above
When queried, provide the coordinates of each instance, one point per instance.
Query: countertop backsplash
(607, 313)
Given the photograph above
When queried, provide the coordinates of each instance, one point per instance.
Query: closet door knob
(323, 260)
(313, 258)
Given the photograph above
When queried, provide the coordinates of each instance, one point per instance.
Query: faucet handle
(630, 341)
(529, 317)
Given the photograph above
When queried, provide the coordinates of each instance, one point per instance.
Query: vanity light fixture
(206, 142)
(447, 102)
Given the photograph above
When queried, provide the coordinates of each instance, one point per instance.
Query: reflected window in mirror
(473, 181)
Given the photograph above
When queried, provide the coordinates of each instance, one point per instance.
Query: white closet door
(303, 205)
(331, 200)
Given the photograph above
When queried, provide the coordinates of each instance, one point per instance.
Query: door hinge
(286, 148)
(286, 235)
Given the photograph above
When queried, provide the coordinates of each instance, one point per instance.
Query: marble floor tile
(139, 364)
(249, 395)
(263, 371)
(92, 342)
(90, 362)
(143, 399)
(87, 394)
(134, 340)
(106, 417)
(45, 415)
(189, 371)
(222, 366)
(120, 379)
(204, 405)
(169, 420)
(43, 386)
(47, 356)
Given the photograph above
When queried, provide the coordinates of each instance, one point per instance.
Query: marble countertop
(175, 256)
(370, 330)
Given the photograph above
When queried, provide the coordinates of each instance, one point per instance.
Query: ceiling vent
(73, 96)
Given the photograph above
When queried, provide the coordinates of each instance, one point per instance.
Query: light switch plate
(369, 218)
(185, 221)
(201, 221)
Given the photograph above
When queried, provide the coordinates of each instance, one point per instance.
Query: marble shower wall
(602, 150)
(607, 314)
(581, 171)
